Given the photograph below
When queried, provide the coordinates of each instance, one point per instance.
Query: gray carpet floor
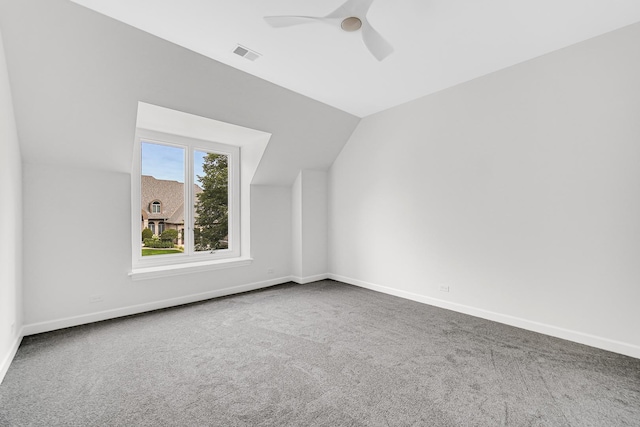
(322, 354)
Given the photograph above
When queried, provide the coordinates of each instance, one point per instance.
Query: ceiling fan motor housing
(351, 23)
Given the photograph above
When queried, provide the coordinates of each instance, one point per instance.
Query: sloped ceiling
(438, 43)
(77, 77)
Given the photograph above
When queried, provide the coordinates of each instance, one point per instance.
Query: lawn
(146, 252)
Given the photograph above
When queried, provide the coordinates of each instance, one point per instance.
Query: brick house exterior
(163, 205)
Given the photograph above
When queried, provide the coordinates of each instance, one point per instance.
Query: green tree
(212, 205)
(146, 234)
(169, 234)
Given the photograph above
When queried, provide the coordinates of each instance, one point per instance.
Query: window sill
(186, 268)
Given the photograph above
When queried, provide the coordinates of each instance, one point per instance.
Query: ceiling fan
(351, 16)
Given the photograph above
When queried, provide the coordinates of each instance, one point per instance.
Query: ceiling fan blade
(377, 45)
(358, 8)
(287, 21)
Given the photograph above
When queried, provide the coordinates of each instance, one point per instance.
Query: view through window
(211, 207)
(172, 177)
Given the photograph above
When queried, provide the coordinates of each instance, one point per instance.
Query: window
(189, 133)
(210, 210)
(191, 188)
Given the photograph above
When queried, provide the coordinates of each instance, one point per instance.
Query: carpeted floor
(322, 354)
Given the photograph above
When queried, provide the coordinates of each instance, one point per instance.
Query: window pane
(211, 201)
(162, 197)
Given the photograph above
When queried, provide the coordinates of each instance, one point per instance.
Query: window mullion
(188, 203)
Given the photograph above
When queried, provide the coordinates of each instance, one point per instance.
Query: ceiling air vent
(246, 53)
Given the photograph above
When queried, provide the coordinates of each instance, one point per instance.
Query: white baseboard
(309, 279)
(52, 325)
(8, 358)
(579, 337)
(554, 331)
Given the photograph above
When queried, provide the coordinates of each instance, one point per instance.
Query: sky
(166, 162)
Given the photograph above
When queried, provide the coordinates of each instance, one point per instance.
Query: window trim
(190, 258)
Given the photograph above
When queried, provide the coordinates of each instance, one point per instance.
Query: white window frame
(190, 256)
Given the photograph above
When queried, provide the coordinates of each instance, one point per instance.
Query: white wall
(314, 226)
(77, 78)
(85, 250)
(519, 190)
(296, 227)
(309, 220)
(11, 221)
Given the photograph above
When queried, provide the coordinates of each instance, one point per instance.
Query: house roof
(170, 194)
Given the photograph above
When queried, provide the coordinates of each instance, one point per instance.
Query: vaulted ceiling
(438, 43)
(77, 78)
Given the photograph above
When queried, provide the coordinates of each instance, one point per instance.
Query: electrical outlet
(270, 271)
(444, 288)
(95, 298)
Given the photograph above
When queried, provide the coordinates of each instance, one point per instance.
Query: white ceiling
(438, 43)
